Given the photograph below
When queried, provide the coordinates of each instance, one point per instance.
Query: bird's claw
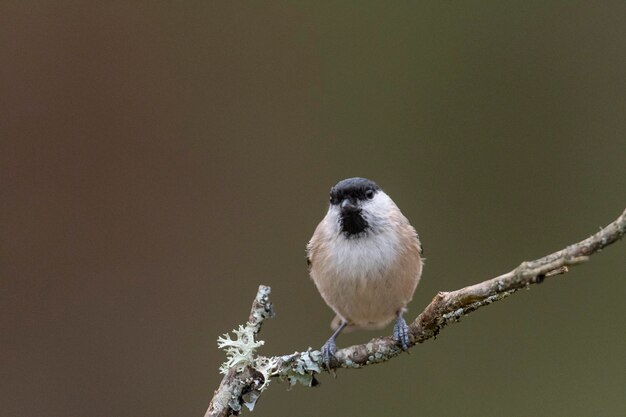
(401, 333)
(328, 352)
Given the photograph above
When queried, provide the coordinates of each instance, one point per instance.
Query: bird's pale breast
(367, 280)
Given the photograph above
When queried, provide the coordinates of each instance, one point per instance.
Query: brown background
(160, 161)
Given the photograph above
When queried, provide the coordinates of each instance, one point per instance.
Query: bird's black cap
(355, 188)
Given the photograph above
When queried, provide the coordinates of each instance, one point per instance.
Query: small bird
(366, 260)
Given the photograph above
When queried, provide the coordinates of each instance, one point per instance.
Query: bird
(366, 260)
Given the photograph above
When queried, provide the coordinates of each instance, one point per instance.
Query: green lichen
(240, 352)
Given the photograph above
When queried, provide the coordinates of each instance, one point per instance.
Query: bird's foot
(401, 333)
(328, 352)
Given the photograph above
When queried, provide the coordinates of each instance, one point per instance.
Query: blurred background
(161, 160)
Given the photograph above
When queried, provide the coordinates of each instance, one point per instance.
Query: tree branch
(242, 384)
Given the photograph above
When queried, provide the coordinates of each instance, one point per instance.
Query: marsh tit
(366, 260)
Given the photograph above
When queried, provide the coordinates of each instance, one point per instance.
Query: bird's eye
(369, 194)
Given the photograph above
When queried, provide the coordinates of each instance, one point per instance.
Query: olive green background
(161, 160)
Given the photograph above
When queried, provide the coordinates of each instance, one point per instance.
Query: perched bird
(366, 260)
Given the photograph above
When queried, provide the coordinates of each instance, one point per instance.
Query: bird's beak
(348, 206)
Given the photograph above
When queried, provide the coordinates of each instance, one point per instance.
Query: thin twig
(235, 383)
(445, 308)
